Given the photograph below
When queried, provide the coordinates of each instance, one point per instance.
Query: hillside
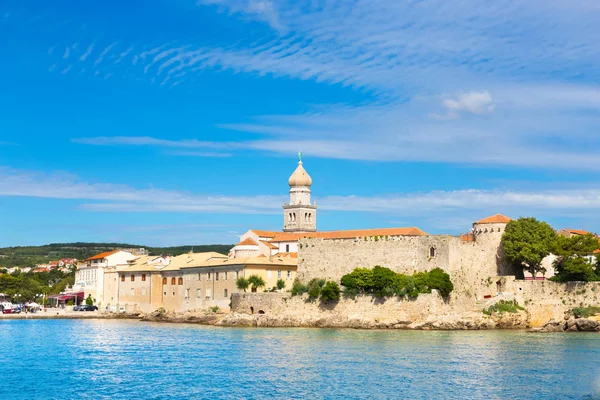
(23, 256)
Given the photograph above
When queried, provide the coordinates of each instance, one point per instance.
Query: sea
(125, 359)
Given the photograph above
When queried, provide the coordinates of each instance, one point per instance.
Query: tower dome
(300, 177)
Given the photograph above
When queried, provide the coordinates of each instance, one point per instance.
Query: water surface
(93, 359)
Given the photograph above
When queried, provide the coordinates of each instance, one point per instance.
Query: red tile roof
(247, 242)
(468, 237)
(269, 245)
(577, 231)
(351, 234)
(267, 234)
(495, 219)
(102, 255)
(288, 254)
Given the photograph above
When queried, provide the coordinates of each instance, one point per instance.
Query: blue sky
(178, 122)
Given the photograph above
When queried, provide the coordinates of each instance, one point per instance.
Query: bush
(360, 278)
(502, 307)
(585, 312)
(280, 284)
(299, 288)
(314, 288)
(214, 309)
(383, 282)
(330, 291)
(242, 283)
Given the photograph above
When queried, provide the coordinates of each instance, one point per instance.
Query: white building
(90, 274)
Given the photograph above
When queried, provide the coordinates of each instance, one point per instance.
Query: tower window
(287, 248)
(431, 252)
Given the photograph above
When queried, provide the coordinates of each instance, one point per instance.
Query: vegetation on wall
(503, 306)
(585, 312)
(383, 282)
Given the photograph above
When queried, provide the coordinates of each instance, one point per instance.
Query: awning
(67, 296)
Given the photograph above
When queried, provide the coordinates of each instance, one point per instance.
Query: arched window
(431, 252)
(122, 278)
(172, 281)
(143, 277)
(132, 278)
(180, 281)
(164, 281)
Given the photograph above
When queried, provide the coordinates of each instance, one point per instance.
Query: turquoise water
(93, 359)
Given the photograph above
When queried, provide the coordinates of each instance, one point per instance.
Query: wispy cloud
(87, 53)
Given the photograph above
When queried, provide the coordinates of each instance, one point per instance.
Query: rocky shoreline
(570, 324)
(467, 321)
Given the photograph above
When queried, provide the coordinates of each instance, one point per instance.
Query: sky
(173, 122)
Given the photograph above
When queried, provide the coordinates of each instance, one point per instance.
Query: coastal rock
(587, 325)
(553, 325)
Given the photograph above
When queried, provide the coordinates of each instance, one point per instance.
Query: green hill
(27, 256)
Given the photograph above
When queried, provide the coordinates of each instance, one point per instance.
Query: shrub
(89, 301)
(214, 309)
(502, 307)
(299, 288)
(330, 291)
(383, 281)
(360, 278)
(585, 312)
(314, 288)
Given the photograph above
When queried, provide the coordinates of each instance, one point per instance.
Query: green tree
(314, 288)
(89, 301)
(280, 284)
(572, 262)
(330, 291)
(256, 282)
(440, 280)
(527, 241)
(242, 283)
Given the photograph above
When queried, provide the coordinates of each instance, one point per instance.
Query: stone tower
(299, 215)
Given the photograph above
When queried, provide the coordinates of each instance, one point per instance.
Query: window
(172, 281)
(237, 274)
(143, 277)
(269, 274)
(180, 281)
(431, 252)
(199, 276)
(132, 278)
(173, 294)
(279, 274)
(122, 278)
(225, 293)
(287, 248)
(198, 293)
(187, 293)
(143, 291)
(164, 293)
(208, 277)
(225, 275)
(164, 281)
(208, 294)
(131, 292)
(289, 274)
(216, 276)
(122, 292)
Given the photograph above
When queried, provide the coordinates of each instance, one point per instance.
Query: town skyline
(180, 124)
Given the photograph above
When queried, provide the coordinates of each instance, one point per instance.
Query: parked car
(17, 308)
(80, 307)
(89, 308)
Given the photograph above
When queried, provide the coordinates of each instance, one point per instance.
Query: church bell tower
(299, 215)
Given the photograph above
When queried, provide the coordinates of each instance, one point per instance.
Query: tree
(298, 287)
(439, 280)
(256, 282)
(242, 283)
(527, 241)
(280, 284)
(89, 301)
(314, 288)
(572, 262)
(330, 291)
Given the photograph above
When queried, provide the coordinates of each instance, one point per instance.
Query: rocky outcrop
(196, 317)
(570, 325)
